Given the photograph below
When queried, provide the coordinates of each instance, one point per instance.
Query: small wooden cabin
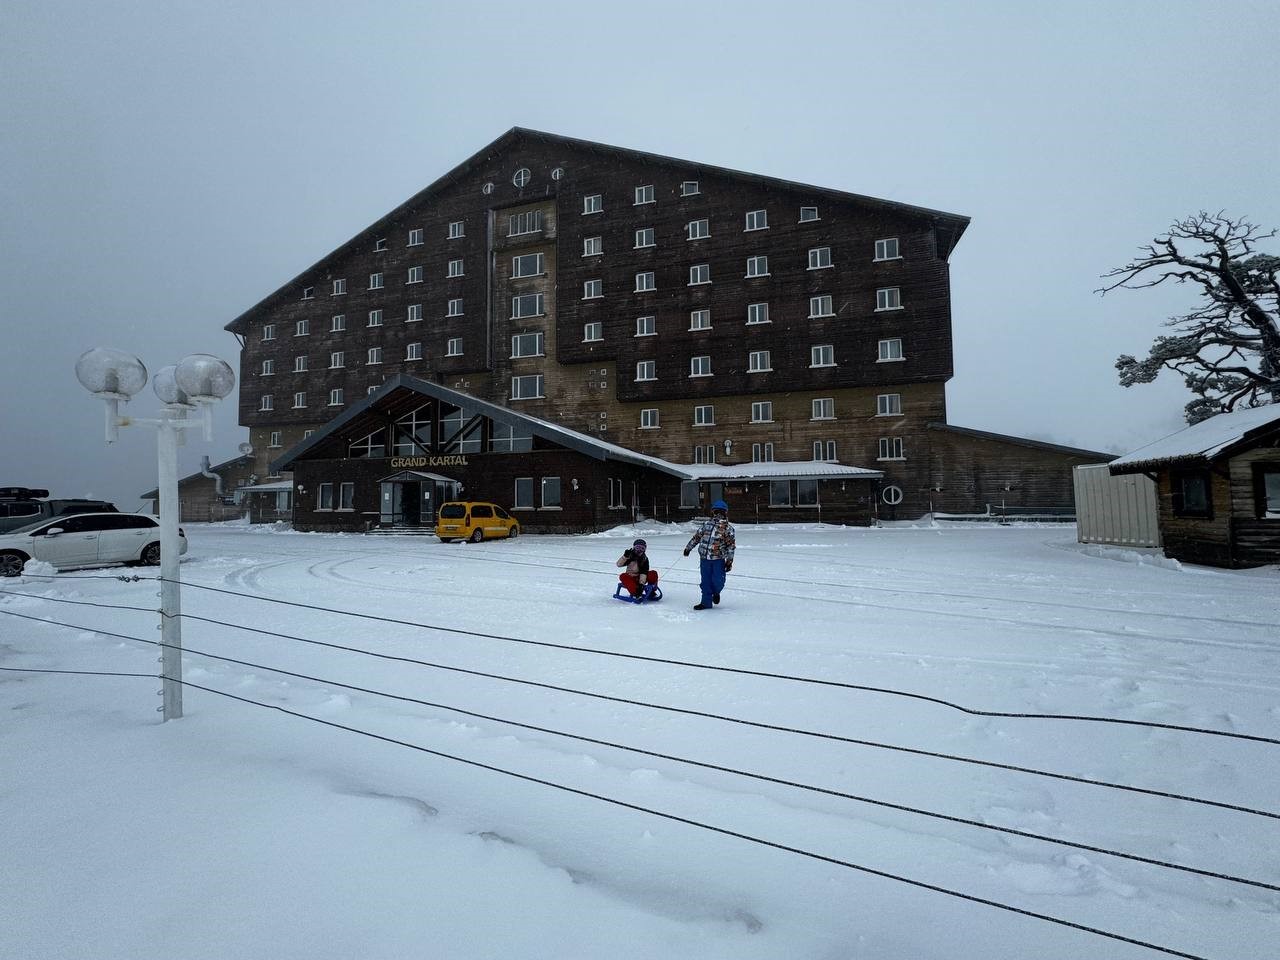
(1218, 484)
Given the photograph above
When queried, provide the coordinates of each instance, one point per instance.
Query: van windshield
(453, 511)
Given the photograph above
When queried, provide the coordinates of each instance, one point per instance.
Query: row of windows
(754, 220)
(704, 415)
(824, 451)
(887, 298)
(522, 345)
(819, 257)
(761, 361)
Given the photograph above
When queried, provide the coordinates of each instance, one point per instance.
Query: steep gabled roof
(1022, 442)
(951, 225)
(1201, 442)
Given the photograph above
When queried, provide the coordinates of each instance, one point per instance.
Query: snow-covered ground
(246, 832)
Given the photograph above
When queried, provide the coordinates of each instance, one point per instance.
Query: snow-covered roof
(274, 486)
(790, 470)
(1204, 440)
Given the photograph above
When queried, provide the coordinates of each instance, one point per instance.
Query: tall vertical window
(645, 281)
(824, 450)
(891, 449)
(308, 293)
(592, 289)
(615, 494)
(593, 203)
(550, 492)
(888, 298)
(346, 495)
(762, 411)
(416, 237)
(762, 453)
(757, 220)
(526, 305)
(375, 318)
(699, 273)
(335, 397)
(454, 269)
(413, 351)
(646, 326)
(299, 399)
(647, 370)
(704, 453)
(645, 237)
(889, 405)
(300, 364)
(526, 345)
(649, 418)
(644, 194)
(268, 368)
(453, 348)
(704, 416)
(592, 332)
(889, 350)
(528, 222)
(821, 306)
(375, 281)
(415, 313)
(275, 439)
(700, 320)
(302, 328)
(339, 287)
(757, 313)
(757, 266)
(824, 408)
(454, 308)
(819, 258)
(375, 355)
(457, 230)
(337, 359)
(338, 323)
(415, 275)
(267, 403)
(528, 265)
(808, 213)
(324, 496)
(822, 355)
(699, 366)
(697, 229)
(887, 249)
(268, 331)
(758, 361)
(523, 499)
(592, 246)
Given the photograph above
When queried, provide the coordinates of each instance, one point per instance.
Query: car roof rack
(22, 493)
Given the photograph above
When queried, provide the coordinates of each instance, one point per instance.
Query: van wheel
(150, 554)
(477, 536)
(11, 564)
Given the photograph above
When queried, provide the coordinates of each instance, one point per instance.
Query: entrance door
(410, 503)
(389, 509)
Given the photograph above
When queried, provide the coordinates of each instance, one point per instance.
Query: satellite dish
(245, 449)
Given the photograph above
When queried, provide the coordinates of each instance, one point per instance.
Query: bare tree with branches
(1228, 349)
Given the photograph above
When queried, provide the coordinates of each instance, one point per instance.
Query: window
(806, 493)
(454, 347)
(1266, 485)
(526, 388)
(808, 213)
(268, 368)
(757, 220)
(888, 298)
(688, 494)
(762, 453)
(819, 258)
(457, 230)
(1192, 493)
(762, 411)
(700, 320)
(300, 364)
(594, 203)
(647, 370)
(346, 496)
(704, 453)
(697, 229)
(689, 188)
(699, 366)
(324, 497)
(824, 450)
(592, 332)
(615, 494)
(306, 434)
(454, 308)
(529, 265)
(821, 306)
(528, 222)
(375, 318)
(308, 293)
(645, 281)
(646, 326)
(526, 305)
(824, 409)
(699, 273)
(337, 360)
(757, 313)
(268, 331)
(887, 249)
(380, 244)
(704, 416)
(889, 350)
(779, 493)
(275, 439)
(416, 237)
(758, 361)
(891, 495)
(375, 281)
(302, 328)
(521, 177)
(644, 194)
(338, 323)
(299, 399)
(592, 289)
(822, 355)
(415, 275)
(413, 351)
(371, 389)
(890, 448)
(523, 499)
(415, 313)
(592, 246)
(335, 397)
(526, 345)
(550, 492)
(454, 269)
(375, 355)
(889, 405)
(757, 266)
(267, 403)
(645, 238)
(339, 287)
(649, 418)
(508, 439)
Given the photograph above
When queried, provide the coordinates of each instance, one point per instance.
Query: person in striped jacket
(715, 541)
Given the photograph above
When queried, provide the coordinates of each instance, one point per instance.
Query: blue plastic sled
(651, 593)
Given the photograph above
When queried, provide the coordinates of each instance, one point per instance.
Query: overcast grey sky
(166, 164)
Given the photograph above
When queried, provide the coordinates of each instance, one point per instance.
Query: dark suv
(22, 505)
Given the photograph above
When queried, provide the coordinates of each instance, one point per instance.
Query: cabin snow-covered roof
(1205, 440)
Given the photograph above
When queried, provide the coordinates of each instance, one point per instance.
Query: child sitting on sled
(638, 578)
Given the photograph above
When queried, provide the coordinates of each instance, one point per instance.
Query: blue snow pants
(712, 579)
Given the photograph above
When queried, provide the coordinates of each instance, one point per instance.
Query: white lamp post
(197, 383)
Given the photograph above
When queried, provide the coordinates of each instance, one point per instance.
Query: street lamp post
(197, 383)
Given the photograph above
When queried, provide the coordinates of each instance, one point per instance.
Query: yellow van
(474, 521)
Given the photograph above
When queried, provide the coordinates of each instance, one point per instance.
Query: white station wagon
(84, 540)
